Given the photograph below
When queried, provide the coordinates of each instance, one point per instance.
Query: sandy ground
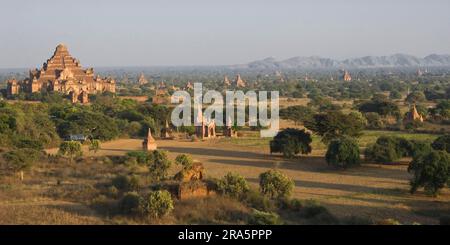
(376, 191)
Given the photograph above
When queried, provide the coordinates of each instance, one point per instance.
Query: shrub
(442, 143)
(157, 203)
(71, 149)
(389, 149)
(276, 185)
(291, 142)
(431, 171)
(185, 161)
(141, 156)
(130, 203)
(264, 218)
(126, 183)
(343, 153)
(233, 185)
(317, 214)
(159, 164)
(258, 201)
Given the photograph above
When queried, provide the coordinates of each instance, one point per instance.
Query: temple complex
(62, 73)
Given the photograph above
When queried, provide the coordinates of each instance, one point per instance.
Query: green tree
(126, 183)
(70, 149)
(233, 185)
(382, 107)
(335, 124)
(343, 153)
(389, 149)
(159, 164)
(431, 171)
(297, 114)
(291, 142)
(157, 203)
(395, 95)
(130, 203)
(20, 160)
(275, 184)
(415, 97)
(442, 143)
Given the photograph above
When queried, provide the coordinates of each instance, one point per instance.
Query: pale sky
(213, 32)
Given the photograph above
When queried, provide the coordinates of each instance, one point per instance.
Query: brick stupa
(149, 144)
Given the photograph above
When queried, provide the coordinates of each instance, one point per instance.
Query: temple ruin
(62, 73)
(149, 143)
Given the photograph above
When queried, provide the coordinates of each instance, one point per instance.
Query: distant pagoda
(62, 73)
(239, 83)
(142, 80)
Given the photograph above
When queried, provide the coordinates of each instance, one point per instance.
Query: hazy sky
(212, 32)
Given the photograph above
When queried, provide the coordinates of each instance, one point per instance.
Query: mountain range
(315, 62)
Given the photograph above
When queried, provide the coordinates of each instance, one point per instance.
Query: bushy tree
(291, 142)
(157, 203)
(382, 107)
(185, 161)
(297, 114)
(343, 153)
(442, 143)
(374, 120)
(70, 149)
(442, 110)
(130, 203)
(159, 164)
(126, 183)
(431, 171)
(94, 124)
(20, 160)
(395, 95)
(335, 124)
(141, 156)
(415, 97)
(389, 149)
(275, 184)
(233, 185)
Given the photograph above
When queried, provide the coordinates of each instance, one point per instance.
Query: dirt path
(370, 190)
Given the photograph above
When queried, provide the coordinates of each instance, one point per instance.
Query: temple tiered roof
(62, 63)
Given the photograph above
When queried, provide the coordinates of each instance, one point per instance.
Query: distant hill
(315, 62)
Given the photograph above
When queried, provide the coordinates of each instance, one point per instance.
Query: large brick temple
(62, 73)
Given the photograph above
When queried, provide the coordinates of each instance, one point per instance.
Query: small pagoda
(149, 144)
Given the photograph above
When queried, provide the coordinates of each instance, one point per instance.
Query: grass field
(371, 190)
